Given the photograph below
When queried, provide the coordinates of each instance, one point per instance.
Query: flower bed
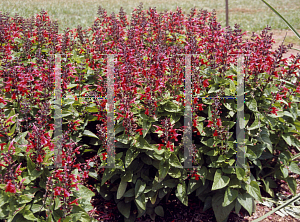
(149, 122)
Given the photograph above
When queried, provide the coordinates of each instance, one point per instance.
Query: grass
(251, 15)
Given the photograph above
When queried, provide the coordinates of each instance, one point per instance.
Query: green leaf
(124, 208)
(295, 142)
(174, 172)
(129, 193)
(252, 105)
(27, 214)
(294, 168)
(207, 203)
(130, 156)
(193, 185)
(237, 207)
(174, 161)
(171, 183)
(175, 118)
(121, 189)
(284, 171)
(254, 191)
(203, 173)
(31, 165)
(287, 138)
(139, 187)
(264, 135)
(292, 184)
(220, 181)
(90, 134)
(221, 213)
(230, 196)
(12, 130)
(172, 107)
(163, 169)
(159, 210)
(255, 124)
(246, 201)
(85, 195)
(181, 193)
(153, 199)
(24, 199)
(142, 143)
(146, 126)
(108, 173)
(140, 201)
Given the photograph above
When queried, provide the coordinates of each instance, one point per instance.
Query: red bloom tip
(215, 133)
(230, 77)
(200, 107)
(159, 146)
(274, 110)
(209, 123)
(39, 159)
(219, 122)
(205, 83)
(10, 187)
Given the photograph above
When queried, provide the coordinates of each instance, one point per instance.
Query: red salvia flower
(205, 83)
(215, 133)
(200, 107)
(74, 202)
(140, 131)
(209, 123)
(194, 123)
(159, 146)
(39, 159)
(66, 193)
(10, 187)
(104, 156)
(274, 110)
(219, 122)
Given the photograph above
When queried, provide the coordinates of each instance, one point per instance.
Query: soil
(175, 211)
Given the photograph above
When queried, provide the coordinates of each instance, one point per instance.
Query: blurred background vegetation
(251, 15)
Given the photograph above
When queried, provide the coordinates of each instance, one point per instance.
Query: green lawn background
(252, 15)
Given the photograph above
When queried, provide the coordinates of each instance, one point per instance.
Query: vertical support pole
(187, 135)
(240, 126)
(58, 114)
(226, 3)
(110, 113)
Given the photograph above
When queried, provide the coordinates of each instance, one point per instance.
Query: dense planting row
(149, 106)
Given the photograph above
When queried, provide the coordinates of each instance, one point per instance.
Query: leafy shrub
(150, 107)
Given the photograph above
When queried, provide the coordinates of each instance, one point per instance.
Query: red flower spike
(219, 122)
(200, 107)
(39, 159)
(215, 133)
(205, 83)
(209, 123)
(10, 187)
(159, 146)
(274, 111)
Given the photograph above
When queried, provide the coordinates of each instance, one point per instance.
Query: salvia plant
(149, 84)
